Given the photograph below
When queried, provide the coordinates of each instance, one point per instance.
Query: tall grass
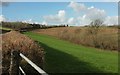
(106, 38)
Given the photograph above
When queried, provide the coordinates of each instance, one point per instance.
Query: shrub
(19, 42)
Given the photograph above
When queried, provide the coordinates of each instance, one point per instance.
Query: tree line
(27, 26)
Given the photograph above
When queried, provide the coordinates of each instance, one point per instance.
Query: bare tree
(93, 29)
(94, 26)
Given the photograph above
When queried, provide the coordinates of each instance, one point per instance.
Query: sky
(72, 13)
(59, 0)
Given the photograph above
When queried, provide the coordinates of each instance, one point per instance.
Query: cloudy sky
(72, 13)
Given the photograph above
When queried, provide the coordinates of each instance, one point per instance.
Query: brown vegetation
(106, 37)
(20, 26)
(15, 41)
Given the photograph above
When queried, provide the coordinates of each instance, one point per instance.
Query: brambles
(15, 41)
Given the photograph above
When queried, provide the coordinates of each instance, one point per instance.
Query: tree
(94, 26)
(93, 29)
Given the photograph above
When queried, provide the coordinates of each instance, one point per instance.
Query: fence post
(15, 61)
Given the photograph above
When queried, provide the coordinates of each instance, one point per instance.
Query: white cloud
(95, 13)
(61, 15)
(44, 23)
(28, 21)
(88, 13)
(36, 22)
(91, 13)
(58, 18)
(71, 21)
(77, 6)
(83, 20)
(111, 20)
(2, 18)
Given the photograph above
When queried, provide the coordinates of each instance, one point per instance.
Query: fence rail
(15, 61)
(22, 70)
(34, 65)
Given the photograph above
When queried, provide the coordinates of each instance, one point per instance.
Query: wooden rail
(22, 70)
(15, 61)
(34, 65)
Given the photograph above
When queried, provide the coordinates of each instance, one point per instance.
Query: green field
(4, 28)
(65, 57)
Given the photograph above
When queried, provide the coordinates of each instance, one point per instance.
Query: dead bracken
(16, 41)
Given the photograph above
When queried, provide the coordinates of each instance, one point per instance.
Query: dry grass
(107, 38)
(15, 41)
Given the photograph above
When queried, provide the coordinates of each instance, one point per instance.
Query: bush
(19, 42)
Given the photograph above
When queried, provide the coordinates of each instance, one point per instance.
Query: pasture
(66, 57)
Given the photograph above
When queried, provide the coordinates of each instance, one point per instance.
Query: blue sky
(47, 11)
(60, 0)
(32, 10)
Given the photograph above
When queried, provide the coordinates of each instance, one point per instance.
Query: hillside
(106, 38)
(65, 57)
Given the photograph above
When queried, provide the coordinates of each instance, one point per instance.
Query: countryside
(62, 38)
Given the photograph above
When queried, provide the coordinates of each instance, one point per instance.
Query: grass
(65, 57)
(4, 28)
(106, 37)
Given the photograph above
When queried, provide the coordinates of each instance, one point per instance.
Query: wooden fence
(15, 68)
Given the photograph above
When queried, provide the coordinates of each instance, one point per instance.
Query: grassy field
(106, 37)
(65, 57)
(4, 28)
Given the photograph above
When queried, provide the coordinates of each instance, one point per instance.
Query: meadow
(66, 57)
(69, 49)
(106, 37)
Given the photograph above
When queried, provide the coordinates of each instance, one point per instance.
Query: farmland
(65, 57)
